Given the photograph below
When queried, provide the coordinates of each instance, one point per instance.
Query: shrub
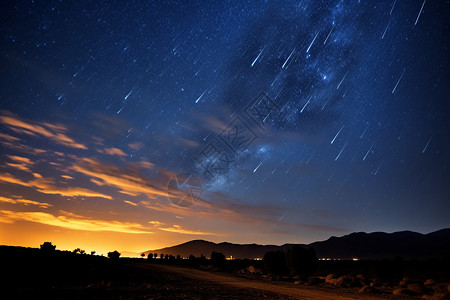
(301, 261)
(275, 263)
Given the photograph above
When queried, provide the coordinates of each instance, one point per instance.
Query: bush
(275, 263)
(296, 261)
(114, 255)
(217, 259)
(301, 261)
(48, 247)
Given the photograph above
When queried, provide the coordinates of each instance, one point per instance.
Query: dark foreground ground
(32, 274)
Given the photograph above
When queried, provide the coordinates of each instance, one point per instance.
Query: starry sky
(135, 125)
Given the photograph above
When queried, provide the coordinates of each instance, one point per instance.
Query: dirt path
(296, 292)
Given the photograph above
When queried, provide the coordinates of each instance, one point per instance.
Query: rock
(362, 280)
(415, 288)
(404, 282)
(366, 289)
(436, 296)
(344, 281)
(402, 292)
(429, 282)
(315, 280)
(329, 278)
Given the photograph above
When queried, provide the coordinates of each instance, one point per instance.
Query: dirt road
(296, 292)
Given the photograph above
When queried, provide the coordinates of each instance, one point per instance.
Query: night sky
(286, 121)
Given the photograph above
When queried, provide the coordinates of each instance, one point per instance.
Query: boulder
(416, 288)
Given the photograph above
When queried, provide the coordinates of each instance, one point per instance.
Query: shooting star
(307, 50)
(128, 95)
(282, 216)
(288, 59)
(328, 35)
(198, 99)
(364, 132)
(342, 80)
(378, 169)
(384, 33)
(398, 81)
(304, 106)
(417, 20)
(342, 150)
(332, 141)
(256, 59)
(392, 8)
(368, 151)
(257, 167)
(426, 146)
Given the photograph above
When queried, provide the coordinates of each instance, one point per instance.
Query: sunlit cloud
(20, 159)
(46, 186)
(128, 182)
(8, 137)
(73, 222)
(189, 143)
(20, 163)
(131, 203)
(136, 146)
(144, 164)
(113, 151)
(24, 202)
(155, 223)
(19, 167)
(56, 133)
(179, 229)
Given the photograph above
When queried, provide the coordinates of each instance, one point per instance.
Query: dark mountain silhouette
(376, 245)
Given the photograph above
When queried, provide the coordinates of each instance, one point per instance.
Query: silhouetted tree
(301, 261)
(142, 255)
(178, 257)
(150, 256)
(161, 256)
(92, 252)
(114, 255)
(275, 263)
(217, 259)
(78, 250)
(48, 247)
(155, 255)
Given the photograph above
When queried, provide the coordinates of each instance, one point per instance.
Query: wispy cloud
(129, 182)
(136, 146)
(113, 151)
(155, 223)
(20, 163)
(20, 159)
(8, 137)
(24, 202)
(179, 229)
(54, 132)
(46, 186)
(75, 222)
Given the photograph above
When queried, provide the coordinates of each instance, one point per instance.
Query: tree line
(295, 261)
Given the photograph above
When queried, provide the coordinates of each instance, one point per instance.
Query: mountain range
(361, 245)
